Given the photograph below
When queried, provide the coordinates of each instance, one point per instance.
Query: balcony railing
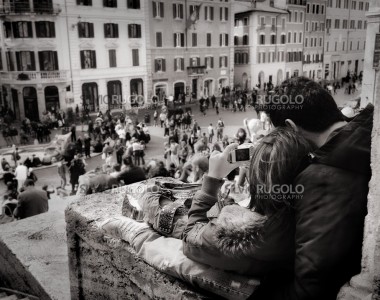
(35, 76)
(23, 8)
(196, 70)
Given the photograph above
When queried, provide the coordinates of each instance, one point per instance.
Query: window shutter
(32, 60)
(163, 65)
(226, 40)
(18, 60)
(93, 58)
(41, 60)
(226, 13)
(175, 64)
(212, 13)
(52, 29)
(116, 30)
(105, 30)
(181, 11)
(91, 29)
(16, 32)
(161, 9)
(190, 62)
(30, 30)
(198, 61)
(174, 10)
(130, 31)
(212, 62)
(226, 61)
(182, 64)
(175, 40)
(138, 31)
(82, 59)
(221, 13)
(55, 56)
(182, 40)
(220, 61)
(154, 3)
(206, 11)
(221, 39)
(80, 30)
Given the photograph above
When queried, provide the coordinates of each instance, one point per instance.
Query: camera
(243, 153)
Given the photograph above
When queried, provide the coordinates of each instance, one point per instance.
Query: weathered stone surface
(103, 268)
(33, 256)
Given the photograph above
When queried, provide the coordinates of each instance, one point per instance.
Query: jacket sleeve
(329, 230)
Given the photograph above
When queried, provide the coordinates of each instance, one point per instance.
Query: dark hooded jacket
(234, 238)
(330, 216)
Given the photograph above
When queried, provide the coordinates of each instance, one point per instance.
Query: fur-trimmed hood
(238, 230)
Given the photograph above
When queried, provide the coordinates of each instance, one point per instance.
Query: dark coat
(236, 239)
(31, 202)
(330, 216)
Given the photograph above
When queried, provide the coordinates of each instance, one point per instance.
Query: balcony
(33, 77)
(23, 8)
(196, 71)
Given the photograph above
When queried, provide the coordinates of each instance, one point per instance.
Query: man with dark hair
(131, 173)
(329, 217)
(31, 201)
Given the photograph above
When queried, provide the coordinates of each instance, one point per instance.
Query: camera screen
(242, 154)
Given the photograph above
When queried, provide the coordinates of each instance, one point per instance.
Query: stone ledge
(103, 270)
(33, 256)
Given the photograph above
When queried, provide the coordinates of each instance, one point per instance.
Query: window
(283, 23)
(246, 21)
(329, 3)
(301, 17)
(344, 25)
(338, 3)
(336, 46)
(133, 4)
(262, 21)
(352, 24)
(134, 31)
(223, 39)
(112, 58)
(158, 39)
(273, 39)
(48, 60)
(223, 62)
(223, 13)
(179, 39)
(307, 27)
(111, 30)
(209, 62)
(290, 16)
(209, 40)
(320, 42)
(295, 37)
(295, 17)
(283, 38)
(159, 65)
(194, 39)
(300, 37)
(306, 40)
(259, 58)
(88, 59)
(194, 11)
(289, 37)
(45, 29)
(195, 61)
(328, 23)
(135, 57)
(322, 9)
(179, 64)
(110, 3)
(84, 2)
(178, 11)
(313, 8)
(351, 45)
(85, 30)
(10, 60)
(22, 29)
(1, 60)
(209, 13)
(245, 39)
(365, 25)
(337, 24)
(361, 6)
(322, 27)
(367, 6)
(317, 9)
(353, 5)
(307, 8)
(359, 24)
(345, 4)
(327, 46)
(262, 39)
(158, 9)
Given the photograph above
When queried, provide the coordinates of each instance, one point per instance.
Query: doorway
(16, 106)
(194, 88)
(114, 94)
(31, 104)
(179, 90)
(52, 98)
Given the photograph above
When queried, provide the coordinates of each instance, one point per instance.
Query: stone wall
(108, 268)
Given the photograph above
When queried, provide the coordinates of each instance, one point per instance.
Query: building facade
(190, 48)
(345, 38)
(371, 79)
(314, 39)
(260, 44)
(67, 53)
